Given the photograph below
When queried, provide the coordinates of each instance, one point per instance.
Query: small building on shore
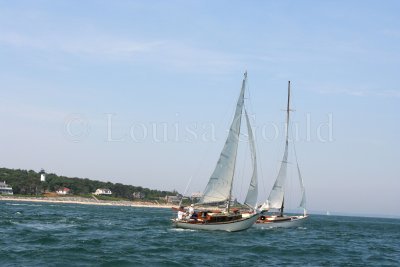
(5, 189)
(195, 197)
(138, 195)
(173, 199)
(103, 191)
(63, 191)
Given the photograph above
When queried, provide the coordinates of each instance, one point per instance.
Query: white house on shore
(173, 199)
(195, 197)
(102, 191)
(138, 195)
(63, 191)
(5, 189)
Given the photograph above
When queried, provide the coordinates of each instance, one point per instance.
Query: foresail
(219, 186)
(303, 190)
(276, 196)
(252, 194)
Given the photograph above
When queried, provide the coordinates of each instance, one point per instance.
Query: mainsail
(252, 194)
(219, 186)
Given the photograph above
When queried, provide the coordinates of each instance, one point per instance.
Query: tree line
(27, 182)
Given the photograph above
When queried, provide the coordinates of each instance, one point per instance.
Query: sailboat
(276, 199)
(220, 184)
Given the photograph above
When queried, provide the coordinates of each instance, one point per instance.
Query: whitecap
(182, 230)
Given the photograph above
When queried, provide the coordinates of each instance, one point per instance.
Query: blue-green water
(43, 234)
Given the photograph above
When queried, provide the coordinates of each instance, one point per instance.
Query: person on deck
(181, 213)
(192, 213)
(191, 210)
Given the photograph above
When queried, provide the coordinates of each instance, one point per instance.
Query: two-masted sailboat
(276, 199)
(219, 187)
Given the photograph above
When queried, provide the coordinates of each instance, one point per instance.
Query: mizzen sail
(303, 190)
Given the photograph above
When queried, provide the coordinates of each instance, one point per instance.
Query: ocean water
(41, 234)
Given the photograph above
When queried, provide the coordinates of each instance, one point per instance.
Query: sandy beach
(85, 201)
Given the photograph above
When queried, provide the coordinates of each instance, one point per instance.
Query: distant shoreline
(86, 201)
(145, 204)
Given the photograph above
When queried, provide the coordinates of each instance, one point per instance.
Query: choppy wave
(80, 235)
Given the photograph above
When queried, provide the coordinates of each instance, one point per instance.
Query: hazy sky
(142, 92)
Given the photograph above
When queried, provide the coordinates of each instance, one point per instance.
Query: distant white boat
(276, 199)
(328, 213)
(279, 221)
(219, 187)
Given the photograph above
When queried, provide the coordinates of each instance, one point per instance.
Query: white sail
(276, 196)
(252, 193)
(220, 184)
(301, 182)
(303, 190)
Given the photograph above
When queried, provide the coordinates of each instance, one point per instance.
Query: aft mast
(276, 199)
(288, 114)
(276, 196)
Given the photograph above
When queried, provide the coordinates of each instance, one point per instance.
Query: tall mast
(287, 115)
(276, 197)
(234, 164)
(287, 136)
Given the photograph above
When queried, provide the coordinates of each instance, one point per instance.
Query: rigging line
(249, 103)
(249, 99)
(294, 144)
(258, 150)
(301, 181)
(187, 187)
(294, 147)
